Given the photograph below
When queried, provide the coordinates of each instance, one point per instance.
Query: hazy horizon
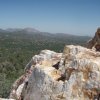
(79, 17)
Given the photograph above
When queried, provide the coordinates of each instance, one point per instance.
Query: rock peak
(95, 41)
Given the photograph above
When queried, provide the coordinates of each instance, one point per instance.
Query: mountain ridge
(30, 30)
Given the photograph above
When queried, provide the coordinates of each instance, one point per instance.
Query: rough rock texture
(95, 41)
(71, 75)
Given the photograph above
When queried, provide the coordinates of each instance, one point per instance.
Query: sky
(81, 17)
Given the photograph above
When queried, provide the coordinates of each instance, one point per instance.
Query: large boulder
(71, 75)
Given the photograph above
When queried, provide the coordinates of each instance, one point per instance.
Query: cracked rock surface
(71, 75)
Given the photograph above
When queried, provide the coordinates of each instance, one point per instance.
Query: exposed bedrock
(71, 75)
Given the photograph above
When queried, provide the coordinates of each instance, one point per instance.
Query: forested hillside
(17, 48)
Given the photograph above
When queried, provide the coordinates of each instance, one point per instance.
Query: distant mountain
(13, 29)
(1, 30)
(30, 30)
(34, 34)
(26, 30)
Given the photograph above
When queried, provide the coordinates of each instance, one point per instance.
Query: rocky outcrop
(71, 75)
(95, 41)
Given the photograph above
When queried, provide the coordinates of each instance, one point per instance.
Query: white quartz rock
(73, 75)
